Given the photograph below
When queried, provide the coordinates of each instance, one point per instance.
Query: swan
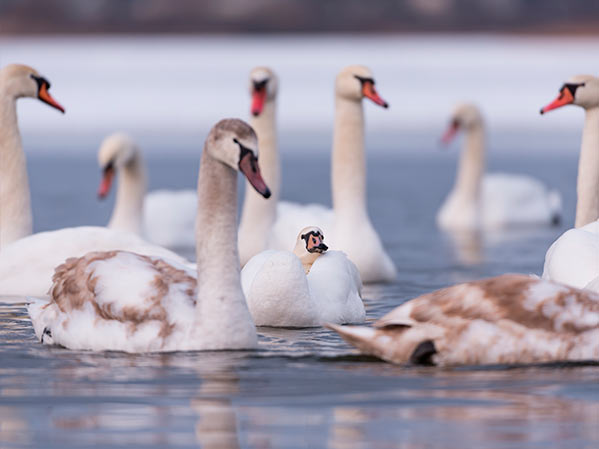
(258, 215)
(118, 300)
(27, 264)
(304, 288)
(573, 258)
(163, 217)
(16, 81)
(506, 319)
(118, 153)
(490, 201)
(349, 216)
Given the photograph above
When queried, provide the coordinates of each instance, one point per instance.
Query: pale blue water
(302, 388)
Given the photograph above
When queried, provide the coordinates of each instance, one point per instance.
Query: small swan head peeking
(234, 143)
(19, 81)
(263, 88)
(116, 151)
(581, 90)
(309, 246)
(465, 116)
(356, 82)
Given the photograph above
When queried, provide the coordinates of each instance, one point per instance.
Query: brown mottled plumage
(505, 319)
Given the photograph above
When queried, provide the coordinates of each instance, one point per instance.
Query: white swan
(349, 216)
(27, 264)
(16, 81)
(163, 217)
(119, 154)
(128, 302)
(574, 257)
(258, 215)
(506, 319)
(490, 201)
(304, 288)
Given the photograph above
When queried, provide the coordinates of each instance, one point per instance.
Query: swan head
(309, 246)
(581, 90)
(234, 143)
(116, 151)
(20, 81)
(465, 116)
(356, 82)
(263, 88)
(311, 240)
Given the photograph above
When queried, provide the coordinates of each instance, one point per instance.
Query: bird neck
(128, 209)
(348, 161)
(587, 206)
(15, 200)
(221, 310)
(471, 166)
(259, 214)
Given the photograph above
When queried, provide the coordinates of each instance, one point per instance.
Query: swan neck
(259, 214)
(587, 206)
(472, 164)
(348, 161)
(128, 209)
(15, 202)
(219, 282)
(307, 259)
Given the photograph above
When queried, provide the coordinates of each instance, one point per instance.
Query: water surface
(302, 388)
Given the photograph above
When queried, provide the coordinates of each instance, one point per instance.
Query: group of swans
(511, 318)
(164, 304)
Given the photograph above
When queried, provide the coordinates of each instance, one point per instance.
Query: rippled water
(302, 388)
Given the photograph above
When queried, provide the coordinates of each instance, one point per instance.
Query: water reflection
(467, 246)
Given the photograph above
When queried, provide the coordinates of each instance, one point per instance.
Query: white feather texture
(27, 265)
(169, 218)
(573, 258)
(126, 309)
(506, 319)
(117, 300)
(280, 294)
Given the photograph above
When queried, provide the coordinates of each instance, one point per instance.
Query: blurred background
(165, 71)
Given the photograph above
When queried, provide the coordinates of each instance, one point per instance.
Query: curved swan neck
(259, 214)
(472, 163)
(348, 162)
(15, 202)
(128, 209)
(221, 308)
(587, 206)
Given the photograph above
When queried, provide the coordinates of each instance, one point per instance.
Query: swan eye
(571, 87)
(40, 80)
(363, 79)
(259, 85)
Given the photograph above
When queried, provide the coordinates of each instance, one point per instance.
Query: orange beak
(258, 97)
(47, 98)
(106, 183)
(452, 130)
(565, 97)
(248, 165)
(369, 91)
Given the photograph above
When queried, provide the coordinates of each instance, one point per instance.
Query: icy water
(302, 388)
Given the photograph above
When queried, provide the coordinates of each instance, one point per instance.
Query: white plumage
(281, 294)
(573, 258)
(507, 319)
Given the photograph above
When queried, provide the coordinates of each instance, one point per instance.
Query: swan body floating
(509, 319)
(129, 302)
(574, 257)
(279, 222)
(163, 217)
(491, 201)
(304, 288)
(16, 81)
